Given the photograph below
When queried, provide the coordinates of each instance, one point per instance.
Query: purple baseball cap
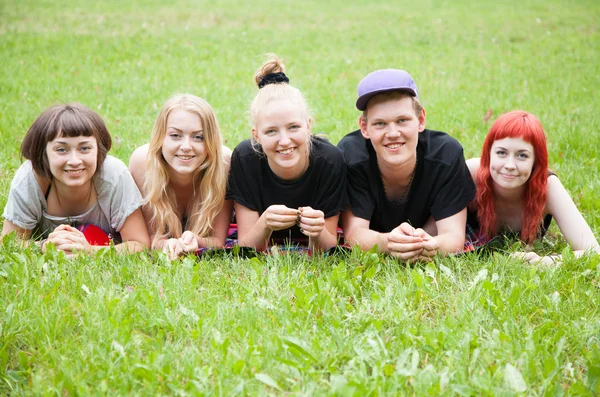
(383, 81)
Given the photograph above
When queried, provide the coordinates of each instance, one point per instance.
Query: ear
(309, 125)
(363, 127)
(255, 135)
(422, 120)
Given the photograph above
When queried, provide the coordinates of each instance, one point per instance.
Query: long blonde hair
(209, 180)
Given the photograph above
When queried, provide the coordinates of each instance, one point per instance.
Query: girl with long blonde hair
(182, 174)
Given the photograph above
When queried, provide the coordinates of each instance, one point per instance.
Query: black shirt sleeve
(241, 184)
(457, 189)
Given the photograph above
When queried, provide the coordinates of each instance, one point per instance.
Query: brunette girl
(69, 192)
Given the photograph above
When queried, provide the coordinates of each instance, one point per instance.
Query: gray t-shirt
(118, 197)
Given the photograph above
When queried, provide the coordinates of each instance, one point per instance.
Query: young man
(408, 186)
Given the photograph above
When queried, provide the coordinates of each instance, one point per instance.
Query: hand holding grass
(311, 222)
(278, 217)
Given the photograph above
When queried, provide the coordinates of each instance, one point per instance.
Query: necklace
(404, 195)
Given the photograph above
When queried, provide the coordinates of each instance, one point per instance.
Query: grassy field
(358, 324)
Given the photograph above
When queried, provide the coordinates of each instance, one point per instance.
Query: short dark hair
(68, 120)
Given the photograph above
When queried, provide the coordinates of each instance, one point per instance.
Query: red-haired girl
(517, 193)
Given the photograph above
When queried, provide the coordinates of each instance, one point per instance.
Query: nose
(284, 139)
(394, 131)
(74, 158)
(510, 163)
(185, 144)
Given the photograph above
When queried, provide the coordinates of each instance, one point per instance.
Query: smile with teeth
(394, 145)
(184, 157)
(73, 172)
(287, 151)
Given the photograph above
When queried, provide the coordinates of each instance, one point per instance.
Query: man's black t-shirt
(442, 185)
(322, 187)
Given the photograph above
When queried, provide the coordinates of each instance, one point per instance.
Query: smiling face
(511, 162)
(393, 128)
(183, 147)
(283, 131)
(72, 160)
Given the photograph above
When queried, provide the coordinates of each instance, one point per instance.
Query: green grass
(352, 325)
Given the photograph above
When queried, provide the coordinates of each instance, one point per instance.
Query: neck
(398, 173)
(508, 195)
(293, 173)
(178, 180)
(68, 194)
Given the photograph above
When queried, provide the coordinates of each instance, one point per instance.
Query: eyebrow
(398, 116)
(518, 151)
(179, 130)
(66, 143)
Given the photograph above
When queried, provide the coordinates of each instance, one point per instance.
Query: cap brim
(361, 102)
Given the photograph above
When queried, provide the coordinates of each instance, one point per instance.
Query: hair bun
(273, 65)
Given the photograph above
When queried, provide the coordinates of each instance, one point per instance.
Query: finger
(405, 247)
(317, 221)
(310, 233)
(406, 229)
(431, 244)
(187, 237)
(404, 239)
(407, 256)
(283, 210)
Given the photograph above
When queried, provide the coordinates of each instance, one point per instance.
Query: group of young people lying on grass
(392, 183)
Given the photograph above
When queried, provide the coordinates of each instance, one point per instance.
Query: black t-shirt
(322, 187)
(442, 185)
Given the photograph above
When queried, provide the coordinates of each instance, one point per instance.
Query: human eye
(60, 150)
(295, 126)
(501, 152)
(523, 156)
(402, 120)
(271, 131)
(85, 149)
(174, 135)
(198, 138)
(379, 124)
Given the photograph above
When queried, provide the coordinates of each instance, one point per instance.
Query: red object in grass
(94, 235)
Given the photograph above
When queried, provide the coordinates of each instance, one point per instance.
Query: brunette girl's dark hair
(69, 120)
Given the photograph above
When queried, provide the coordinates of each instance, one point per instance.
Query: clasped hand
(310, 221)
(408, 243)
(175, 247)
(68, 239)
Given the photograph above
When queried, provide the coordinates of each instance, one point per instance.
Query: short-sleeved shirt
(442, 185)
(118, 197)
(322, 187)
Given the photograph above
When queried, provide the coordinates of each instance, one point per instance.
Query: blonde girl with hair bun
(182, 174)
(287, 185)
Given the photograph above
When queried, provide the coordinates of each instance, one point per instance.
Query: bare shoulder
(137, 165)
(138, 157)
(473, 165)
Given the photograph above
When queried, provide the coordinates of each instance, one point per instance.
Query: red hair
(515, 124)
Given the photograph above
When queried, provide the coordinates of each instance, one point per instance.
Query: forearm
(211, 242)
(450, 243)
(367, 239)
(324, 241)
(126, 247)
(257, 237)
